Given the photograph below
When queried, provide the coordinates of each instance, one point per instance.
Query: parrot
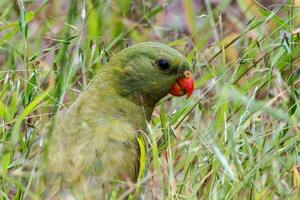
(94, 142)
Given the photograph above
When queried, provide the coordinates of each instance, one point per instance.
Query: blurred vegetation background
(237, 137)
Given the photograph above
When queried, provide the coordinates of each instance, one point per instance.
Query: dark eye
(163, 65)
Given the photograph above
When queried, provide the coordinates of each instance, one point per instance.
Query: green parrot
(94, 144)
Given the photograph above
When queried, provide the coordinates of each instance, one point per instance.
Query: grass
(237, 137)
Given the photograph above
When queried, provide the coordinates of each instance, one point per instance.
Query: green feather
(95, 142)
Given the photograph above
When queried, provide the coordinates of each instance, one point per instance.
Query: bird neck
(103, 91)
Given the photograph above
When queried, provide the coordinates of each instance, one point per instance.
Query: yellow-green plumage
(94, 142)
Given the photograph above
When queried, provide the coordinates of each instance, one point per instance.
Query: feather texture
(94, 143)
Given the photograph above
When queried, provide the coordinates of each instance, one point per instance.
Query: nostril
(187, 74)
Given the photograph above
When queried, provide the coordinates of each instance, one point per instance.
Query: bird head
(148, 71)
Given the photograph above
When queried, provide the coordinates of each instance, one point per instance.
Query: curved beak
(183, 85)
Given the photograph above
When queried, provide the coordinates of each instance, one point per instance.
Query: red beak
(183, 85)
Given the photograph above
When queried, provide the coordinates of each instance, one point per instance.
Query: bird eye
(163, 65)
